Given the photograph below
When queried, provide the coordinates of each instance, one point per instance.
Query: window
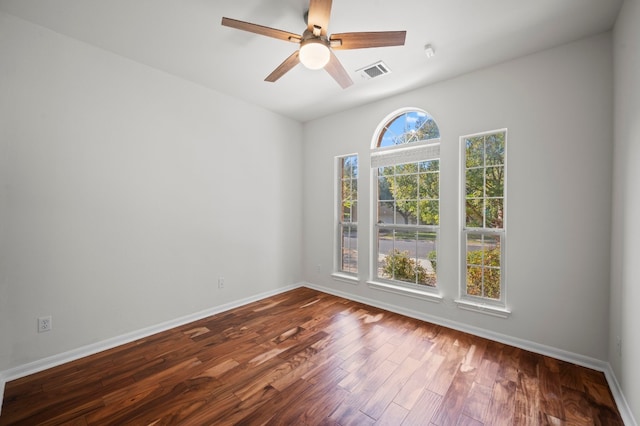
(406, 168)
(483, 230)
(347, 213)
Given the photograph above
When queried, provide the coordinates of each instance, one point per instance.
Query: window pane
(483, 265)
(354, 212)
(429, 166)
(384, 188)
(492, 283)
(475, 182)
(385, 247)
(474, 281)
(474, 249)
(475, 152)
(429, 212)
(495, 181)
(405, 187)
(427, 258)
(494, 213)
(346, 213)
(385, 212)
(405, 169)
(484, 185)
(348, 199)
(494, 146)
(346, 189)
(429, 186)
(406, 212)
(427, 129)
(475, 255)
(349, 249)
(491, 248)
(475, 213)
(400, 263)
(407, 256)
(412, 126)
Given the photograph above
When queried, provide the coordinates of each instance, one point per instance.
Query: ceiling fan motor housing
(314, 51)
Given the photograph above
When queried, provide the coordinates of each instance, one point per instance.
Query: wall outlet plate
(44, 324)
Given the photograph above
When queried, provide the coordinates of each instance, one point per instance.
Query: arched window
(405, 161)
(407, 127)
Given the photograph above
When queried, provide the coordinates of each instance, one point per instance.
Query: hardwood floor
(305, 357)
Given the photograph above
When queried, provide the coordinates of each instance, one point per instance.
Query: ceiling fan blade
(337, 71)
(319, 12)
(367, 39)
(284, 67)
(259, 29)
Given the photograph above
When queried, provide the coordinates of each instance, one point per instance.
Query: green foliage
(349, 188)
(483, 273)
(399, 266)
(427, 129)
(413, 189)
(484, 177)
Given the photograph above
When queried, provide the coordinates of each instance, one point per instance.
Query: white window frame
(489, 306)
(338, 272)
(413, 152)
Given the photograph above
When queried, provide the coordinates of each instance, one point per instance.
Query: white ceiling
(185, 38)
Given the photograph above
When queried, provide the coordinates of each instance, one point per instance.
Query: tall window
(406, 168)
(484, 160)
(347, 253)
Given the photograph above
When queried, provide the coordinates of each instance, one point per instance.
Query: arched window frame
(411, 161)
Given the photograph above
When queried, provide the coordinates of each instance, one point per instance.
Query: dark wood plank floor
(305, 357)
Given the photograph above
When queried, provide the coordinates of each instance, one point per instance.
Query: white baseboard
(621, 401)
(81, 352)
(563, 355)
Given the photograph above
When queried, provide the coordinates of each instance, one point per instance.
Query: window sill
(349, 279)
(482, 308)
(405, 291)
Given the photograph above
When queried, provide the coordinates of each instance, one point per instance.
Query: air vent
(373, 71)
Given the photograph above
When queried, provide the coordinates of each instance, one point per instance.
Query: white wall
(129, 192)
(557, 107)
(5, 327)
(625, 253)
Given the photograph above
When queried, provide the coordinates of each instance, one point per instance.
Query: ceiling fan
(316, 47)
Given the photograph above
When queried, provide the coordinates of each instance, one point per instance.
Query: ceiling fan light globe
(314, 54)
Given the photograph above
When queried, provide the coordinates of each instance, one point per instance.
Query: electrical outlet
(44, 324)
(220, 282)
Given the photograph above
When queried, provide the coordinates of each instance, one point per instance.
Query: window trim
(465, 301)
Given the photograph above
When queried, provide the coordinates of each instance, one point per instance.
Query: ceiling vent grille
(373, 71)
